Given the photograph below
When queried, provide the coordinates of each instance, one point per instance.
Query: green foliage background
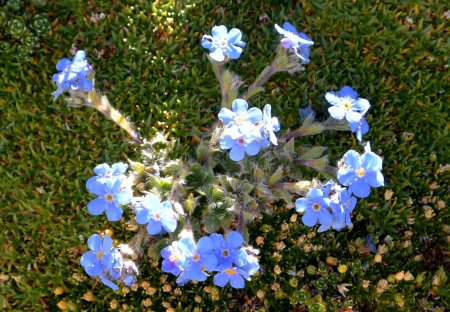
(149, 62)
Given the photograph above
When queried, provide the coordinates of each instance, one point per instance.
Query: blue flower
(346, 104)
(234, 276)
(99, 258)
(111, 196)
(246, 140)
(270, 125)
(240, 114)
(73, 74)
(315, 208)
(103, 172)
(173, 259)
(228, 251)
(223, 44)
(342, 205)
(159, 216)
(360, 172)
(297, 41)
(199, 258)
(251, 266)
(360, 128)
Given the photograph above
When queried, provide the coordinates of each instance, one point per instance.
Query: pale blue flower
(297, 41)
(234, 276)
(360, 128)
(111, 196)
(104, 171)
(72, 75)
(99, 258)
(247, 140)
(228, 251)
(269, 125)
(174, 259)
(160, 217)
(240, 114)
(345, 103)
(223, 44)
(360, 172)
(315, 208)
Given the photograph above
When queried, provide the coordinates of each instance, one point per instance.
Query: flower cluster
(332, 204)
(296, 41)
(223, 44)
(112, 190)
(73, 74)
(247, 130)
(160, 217)
(108, 263)
(346, 103)
(190, 261)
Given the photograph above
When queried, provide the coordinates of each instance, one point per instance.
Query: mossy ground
(149, 62)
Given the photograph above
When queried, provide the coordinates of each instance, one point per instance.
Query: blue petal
(254, 115)
(221, 279)
(95, 242)
(119, 168)
(234, 35)
(309, 219)
(227, 142)
(362, 105)
(237, 153)
(86, 84)
(226, 116)
(114, 212)
(206, 42)
(239, 106)
(205, 244)
(124, 196)
(154, 227)
(63, 63)
(219, 31)
(187, 245)
(234, 240)
(301, 204)
(217, 55)
(348, 92)
(346, 176)
(107, 243)
(169, 223)
(252, 148)
(360, 188)
(195, 273)
(315, 194)
(234, 52)
(371, 161)
(353, 116)
(325, 216)
(108, 283)
(88, 259)
(289, 27)
(208, 261)
(79, 56)
(352, 159)
(336, 112)
(142, 216)
(236, 281)
(374, 178)
(332, 98)
(97, 206)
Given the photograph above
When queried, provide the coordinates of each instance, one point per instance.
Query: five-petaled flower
(234, 276)
(159, 216)
(270, 125)
(104, 171)
(228, 250)
(73, 74)
(223, 44)
(111, 196)
(315, 208)
(360, 172)
(345, 103)
(297, 41)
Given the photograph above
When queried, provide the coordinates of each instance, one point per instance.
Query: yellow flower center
(230, 271)
(99, 255)
(174, 258)
(109, 197)
(361, 172)
(347, 105)
(316, 207)
(240, 119)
